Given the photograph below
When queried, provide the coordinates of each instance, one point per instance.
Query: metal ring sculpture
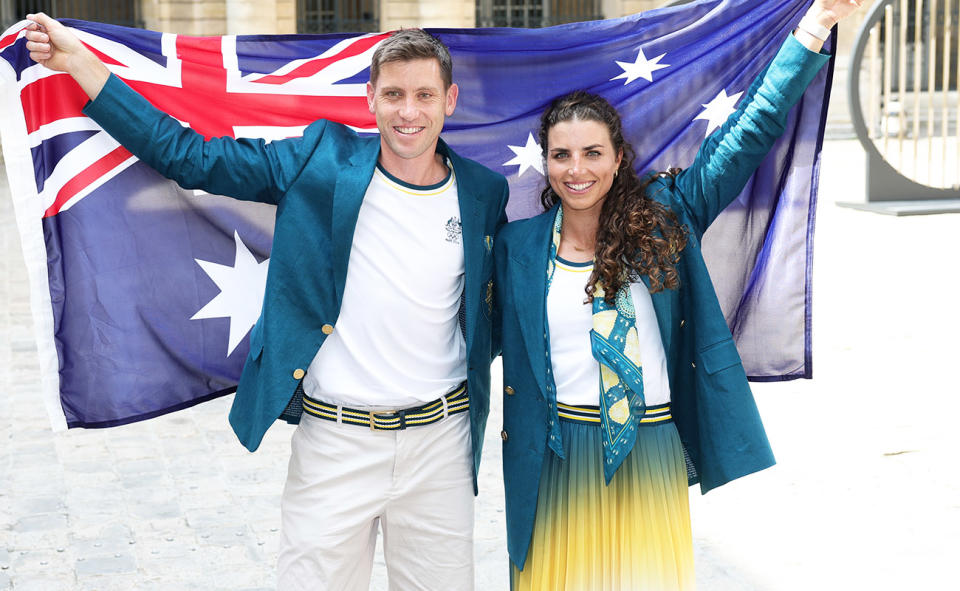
(886, 182)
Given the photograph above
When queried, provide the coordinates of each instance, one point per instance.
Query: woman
(609, 287)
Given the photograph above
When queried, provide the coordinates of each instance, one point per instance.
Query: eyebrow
(421, 89)
(590, 147)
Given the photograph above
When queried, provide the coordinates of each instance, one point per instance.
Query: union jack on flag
(143, 293)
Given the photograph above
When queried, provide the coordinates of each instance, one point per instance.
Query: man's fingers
(39, 57)
(42, 19)
(33, 46)
(37, 37)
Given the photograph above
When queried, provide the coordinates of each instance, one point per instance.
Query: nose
(408, 110)
(575, 165)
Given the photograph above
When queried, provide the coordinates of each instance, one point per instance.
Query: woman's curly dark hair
(636, 235)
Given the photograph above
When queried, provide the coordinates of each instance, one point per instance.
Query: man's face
(410, 105)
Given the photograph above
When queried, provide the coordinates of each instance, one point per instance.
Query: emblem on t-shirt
(454, 229)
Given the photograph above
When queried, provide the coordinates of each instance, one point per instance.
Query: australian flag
(144, 293)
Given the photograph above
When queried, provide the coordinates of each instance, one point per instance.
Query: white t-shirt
(575, 371)
(397, 342)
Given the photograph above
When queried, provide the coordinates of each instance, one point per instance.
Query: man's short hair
(411, 44)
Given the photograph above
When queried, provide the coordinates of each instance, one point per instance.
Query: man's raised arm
(248, 169)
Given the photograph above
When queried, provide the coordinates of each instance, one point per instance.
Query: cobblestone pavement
(863, 496)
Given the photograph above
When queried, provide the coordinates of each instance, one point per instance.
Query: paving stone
(109, 582)
(41, 561)
(41, 583)
(40, 523)
(110, 564)
(110, 541)
(34, 505)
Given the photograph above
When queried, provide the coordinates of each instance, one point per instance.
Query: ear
(619, 157)
(451, 100)
(370, 95)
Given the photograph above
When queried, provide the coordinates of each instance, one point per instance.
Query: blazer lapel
(528, 279)
(347, 198)
(472, 235)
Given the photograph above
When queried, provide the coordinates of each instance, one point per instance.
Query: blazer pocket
(719, 356)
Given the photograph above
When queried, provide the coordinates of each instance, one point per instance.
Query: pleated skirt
(633, 534)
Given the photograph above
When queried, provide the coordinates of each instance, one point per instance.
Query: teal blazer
(712, 405)
(317, 182)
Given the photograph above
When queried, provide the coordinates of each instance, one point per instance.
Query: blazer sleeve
(731, 154)
(249, 169)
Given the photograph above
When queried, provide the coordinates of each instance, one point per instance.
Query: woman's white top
(575, 371)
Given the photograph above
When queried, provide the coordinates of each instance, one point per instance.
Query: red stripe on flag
(50, 99)
(312, 67)
(9, 40)
(85, 178)
(202, 51)
(106, 59)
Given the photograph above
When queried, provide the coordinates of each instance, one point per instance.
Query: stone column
(395, 14)
(220, 17)
(185, 16)
(618, 8)
(265, 17)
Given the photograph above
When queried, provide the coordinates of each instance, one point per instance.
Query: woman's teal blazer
(712, 405)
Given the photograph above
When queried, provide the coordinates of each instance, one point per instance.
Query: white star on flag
(642, 68)
(718, 110)
(528, 156)
(241, 292)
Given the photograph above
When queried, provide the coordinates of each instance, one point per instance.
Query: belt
(451, 403)
(590, 415)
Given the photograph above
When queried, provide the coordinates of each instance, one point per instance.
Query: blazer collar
(528, 278)
(348, 194)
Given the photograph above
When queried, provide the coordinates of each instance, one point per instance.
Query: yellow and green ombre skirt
(631, 535)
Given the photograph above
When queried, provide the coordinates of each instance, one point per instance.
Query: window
(535, 13)
(116, 12)
(335, 16)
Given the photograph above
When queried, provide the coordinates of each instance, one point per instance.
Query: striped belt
(590, 415)
(451, 403)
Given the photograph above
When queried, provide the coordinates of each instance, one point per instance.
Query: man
(376, 317)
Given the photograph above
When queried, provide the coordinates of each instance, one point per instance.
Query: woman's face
(581, 163)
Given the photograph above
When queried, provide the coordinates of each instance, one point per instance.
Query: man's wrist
(89, 72)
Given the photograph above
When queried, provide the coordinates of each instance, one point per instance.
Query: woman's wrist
(823, 18)
(814, 28)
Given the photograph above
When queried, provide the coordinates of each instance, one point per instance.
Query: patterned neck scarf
(616, 347)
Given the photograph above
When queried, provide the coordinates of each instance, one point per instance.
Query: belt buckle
(401, 414)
